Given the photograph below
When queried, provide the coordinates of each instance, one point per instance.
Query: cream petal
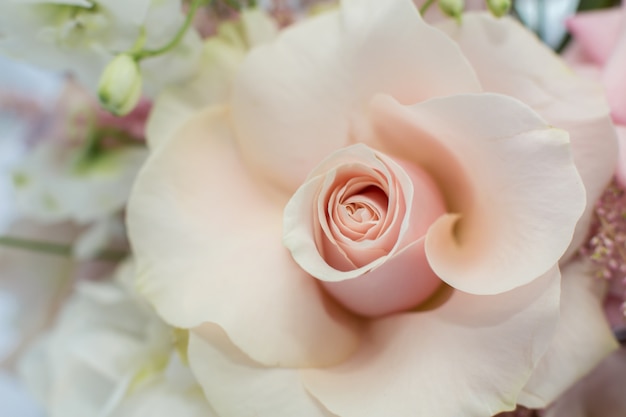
(601, 393)
(236, 386)
(583, 338)
(207, 239)
(212, 84)
(298, 100)
(595, 150)
(513, 191)
(480, 349)
(621, 166)
(510, 60)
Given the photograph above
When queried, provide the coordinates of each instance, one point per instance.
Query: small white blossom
(83, 36)
(109, 355)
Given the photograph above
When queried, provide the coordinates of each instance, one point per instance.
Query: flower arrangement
(313, 208)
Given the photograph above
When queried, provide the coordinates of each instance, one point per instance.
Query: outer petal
(513, 192)
(621, 167)
(212, 85)
(481, 349)
(601, 393)
(236, 386)
(295, 101)
(582, 340)
(208, 246)
(510, 60)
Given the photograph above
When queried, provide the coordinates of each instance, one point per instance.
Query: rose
(372, 94)
(366, 209)
(600, 51)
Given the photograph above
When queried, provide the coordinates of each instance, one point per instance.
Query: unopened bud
(452, 8)
(499, 7)
(120, 85)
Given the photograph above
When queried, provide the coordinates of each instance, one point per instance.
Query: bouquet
(313, 208)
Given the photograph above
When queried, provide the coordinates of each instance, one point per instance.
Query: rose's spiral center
(360, 213)
(377, 217)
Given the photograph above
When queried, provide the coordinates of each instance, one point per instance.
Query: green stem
(146, 53)
(57, 249)
(426, 6)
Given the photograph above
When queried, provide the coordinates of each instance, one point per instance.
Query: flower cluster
(363, 208)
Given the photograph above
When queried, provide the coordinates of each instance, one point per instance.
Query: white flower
(32, 286)
(110, 355)
(51, 187)
(82, 36)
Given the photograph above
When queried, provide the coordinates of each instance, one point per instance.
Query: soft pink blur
(133, 123)
(600, 52)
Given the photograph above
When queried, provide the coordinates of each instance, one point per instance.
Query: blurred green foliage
(596, 4)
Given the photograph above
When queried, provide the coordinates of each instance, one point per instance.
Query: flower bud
(499, 7)
(452, 8)
(120, 85)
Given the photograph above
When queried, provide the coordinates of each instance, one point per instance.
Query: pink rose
(372, 224)
(600, 51)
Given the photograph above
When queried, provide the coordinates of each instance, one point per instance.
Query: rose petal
(207, 238)
(295, 101)
(614, 77)
(512, 187)
(601, 393)
(583, 338)
(511, 60)
(621, 166)
(236, 386)
(213, 83)
(404, 281)
(596, 32)
(480, 348)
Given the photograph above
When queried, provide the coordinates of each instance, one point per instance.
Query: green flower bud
(499, 7)
(120, 85)
(452, 8)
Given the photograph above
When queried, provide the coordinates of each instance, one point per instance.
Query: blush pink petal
(400, 284)
(480, 350)
(512, 189)
(236, 386)
(596, 32)
(300, 98)
(207, 239)
(511, 60)
(583, 338)
(614, 77)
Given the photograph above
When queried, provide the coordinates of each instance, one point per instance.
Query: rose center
(370, 221)
(362, 212)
